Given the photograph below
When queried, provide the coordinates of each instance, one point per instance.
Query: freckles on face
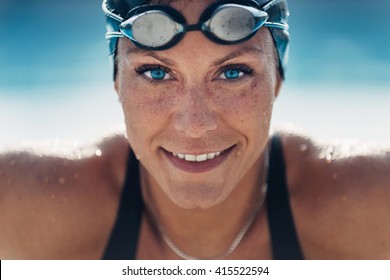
(197, 112)
(143, 111)
(250, 107)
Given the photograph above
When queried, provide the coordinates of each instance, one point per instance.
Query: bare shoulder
(340, 194)
(58, 200)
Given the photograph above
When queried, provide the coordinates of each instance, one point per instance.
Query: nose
(195, 116)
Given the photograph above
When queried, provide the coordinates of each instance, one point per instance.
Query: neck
(205, 233)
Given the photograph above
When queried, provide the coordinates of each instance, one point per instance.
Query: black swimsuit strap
(285, 243)
(122, 244)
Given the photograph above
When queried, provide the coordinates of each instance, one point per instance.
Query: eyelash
(245, 69)
(142, 69)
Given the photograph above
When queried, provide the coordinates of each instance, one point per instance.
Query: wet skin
(211, 98)
(196, 98)
(196, 110)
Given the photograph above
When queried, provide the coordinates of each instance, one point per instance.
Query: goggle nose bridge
(278, 27)
(203, 25)
(193, 27)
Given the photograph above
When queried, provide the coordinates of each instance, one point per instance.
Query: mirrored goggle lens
(232, 23)
(153, 29)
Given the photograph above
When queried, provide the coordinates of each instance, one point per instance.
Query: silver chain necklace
(241, 233)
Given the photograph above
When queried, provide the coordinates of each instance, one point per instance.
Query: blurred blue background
(55, 79)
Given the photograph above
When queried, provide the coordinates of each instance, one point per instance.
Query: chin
(199, 196)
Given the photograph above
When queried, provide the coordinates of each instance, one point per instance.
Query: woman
(203, 178)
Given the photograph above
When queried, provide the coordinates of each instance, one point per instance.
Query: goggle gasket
(177, 17)
(209, 12)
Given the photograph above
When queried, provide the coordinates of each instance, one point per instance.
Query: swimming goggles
(160, 27)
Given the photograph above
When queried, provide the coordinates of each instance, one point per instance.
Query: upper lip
(198, 152)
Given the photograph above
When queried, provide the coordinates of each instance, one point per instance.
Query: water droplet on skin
(62, 181)
(327, 155)
(303, 147)
(98, 152)
(238, 153)
(137, 157)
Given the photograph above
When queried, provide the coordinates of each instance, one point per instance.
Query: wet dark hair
(277, 13)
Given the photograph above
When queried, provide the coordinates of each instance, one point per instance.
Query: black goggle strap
(113, 22)
(269, 5)
(114, 32)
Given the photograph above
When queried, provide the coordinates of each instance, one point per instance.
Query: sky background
(55, 79)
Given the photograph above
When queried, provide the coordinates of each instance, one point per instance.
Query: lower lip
(198, 167)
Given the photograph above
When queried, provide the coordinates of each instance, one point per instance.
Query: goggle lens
(160, 27)
(151, 29)
(232, 23)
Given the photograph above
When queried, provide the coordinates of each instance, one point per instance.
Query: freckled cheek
(249, 107)
(146, 111)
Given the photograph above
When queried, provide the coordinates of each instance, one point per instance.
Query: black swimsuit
(122, 244)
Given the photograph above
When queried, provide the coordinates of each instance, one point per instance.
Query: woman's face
(208, 103)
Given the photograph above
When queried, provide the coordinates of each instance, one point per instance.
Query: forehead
(168, 2)
(185, 5)
(178, 2)
(191, 10)
(195, 43)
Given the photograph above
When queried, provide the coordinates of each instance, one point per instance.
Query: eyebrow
(219, 61)
(234, 54)
(164, 60)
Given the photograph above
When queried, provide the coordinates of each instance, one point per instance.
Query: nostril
(195, 123)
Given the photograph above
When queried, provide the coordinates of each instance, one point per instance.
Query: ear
(278, 86)
(116, 86)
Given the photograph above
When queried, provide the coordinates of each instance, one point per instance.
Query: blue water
(57, 43)
(51, 43)
(55, 79)
(340, 42)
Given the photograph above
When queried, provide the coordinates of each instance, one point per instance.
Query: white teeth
(211, 156)
(201, 157)
(190, 158)
(197, 158)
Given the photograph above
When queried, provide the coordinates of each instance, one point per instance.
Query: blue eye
(232, 74)
(234, 71)
(154, 72)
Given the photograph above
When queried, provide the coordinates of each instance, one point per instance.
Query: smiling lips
(197, 158)
(198, 163)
